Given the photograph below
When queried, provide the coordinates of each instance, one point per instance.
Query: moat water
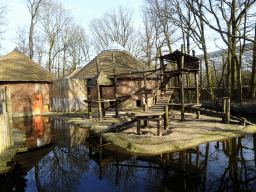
(62, 157)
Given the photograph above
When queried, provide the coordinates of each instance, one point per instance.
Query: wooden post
(102, 104)
(145, 106)
(145, 94)
(138, 127)
(201, 74)
(9, 113)
(243, 121)
(145, 123)
(181, 84)
(115, 85)
(166, 117)
(159, 128)
(224, 103)
(161, 66)
(99, 103)
(197, 95)
(89, 103)
(227, 118)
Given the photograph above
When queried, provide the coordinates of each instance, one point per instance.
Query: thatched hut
(29, 83)
(128, 80)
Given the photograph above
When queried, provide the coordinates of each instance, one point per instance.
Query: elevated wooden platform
(157, 113)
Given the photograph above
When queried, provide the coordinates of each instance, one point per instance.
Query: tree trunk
(234, 49)
(253, 67)
(31, 46)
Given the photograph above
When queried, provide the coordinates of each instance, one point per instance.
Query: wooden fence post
(159, 128)
(243, 121)
(223, 108)
(138, 127)
(181, 84)
(166, 115)
(227, 114)
(9, 114)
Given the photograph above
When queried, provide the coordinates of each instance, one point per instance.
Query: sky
(82, 10)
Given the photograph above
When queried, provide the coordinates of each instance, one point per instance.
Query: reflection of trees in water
(227, 165)
(237, 172)
(62, 169)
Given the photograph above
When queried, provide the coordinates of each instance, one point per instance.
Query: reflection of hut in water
(115, 56)
(37, 130)
(29, 84)
(104, 153)
(67, 135)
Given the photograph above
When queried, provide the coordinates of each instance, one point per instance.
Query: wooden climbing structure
(185, 65)
(158, 112)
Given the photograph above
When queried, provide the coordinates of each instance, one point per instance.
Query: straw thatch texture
(74, 72)
(100, 79)
(125, 63)
(16, 66)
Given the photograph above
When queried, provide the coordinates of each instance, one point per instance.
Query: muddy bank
(180, 134)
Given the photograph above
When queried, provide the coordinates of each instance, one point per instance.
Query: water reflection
(67, 158)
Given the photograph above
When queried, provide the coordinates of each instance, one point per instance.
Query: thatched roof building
(125, 63)
(30, 84)
(129, 78)
(74, 72)
(16, 66)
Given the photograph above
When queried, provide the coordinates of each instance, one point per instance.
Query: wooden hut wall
(68, 95)
(127, 87)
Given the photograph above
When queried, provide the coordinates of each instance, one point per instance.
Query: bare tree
(113, 26)
(53, 18)
(3, 21)
(232, 13)
(148, 37)
(33, 7)
(21, 39)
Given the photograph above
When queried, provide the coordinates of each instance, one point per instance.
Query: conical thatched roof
(125, 63)
(74, 72)
(16, 66)
(100, 79)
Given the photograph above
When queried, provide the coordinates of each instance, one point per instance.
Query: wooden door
(38, 104)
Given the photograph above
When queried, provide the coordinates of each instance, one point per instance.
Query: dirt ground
(179, 135)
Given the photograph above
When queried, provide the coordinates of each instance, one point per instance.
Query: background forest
(57, 42)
